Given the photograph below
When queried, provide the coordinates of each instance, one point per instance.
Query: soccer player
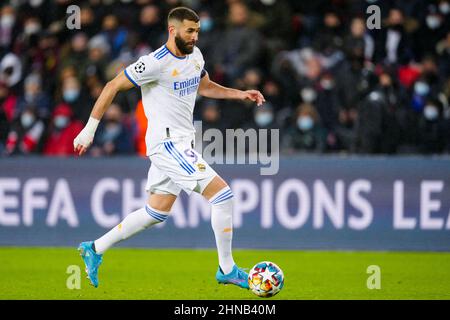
(169, 79)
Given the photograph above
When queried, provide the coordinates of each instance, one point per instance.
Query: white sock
(133, 223)
(222, 224)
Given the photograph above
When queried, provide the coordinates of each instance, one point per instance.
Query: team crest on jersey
(197, 65)
(201, 167)
(175, 73)
(139, 67)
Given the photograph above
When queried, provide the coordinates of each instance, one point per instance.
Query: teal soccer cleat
(92, 260)
(237, 277)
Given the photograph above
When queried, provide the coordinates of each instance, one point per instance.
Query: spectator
(272, 92)
(98, 57)
(28, 39)
(330, 35)
(421, 92)
(240, 45)
(151, 28)
(46, 61)
(443, 51)
(34, 97)
(73, 96)
(211, 116)
(77, 54)
(345, 131)
(370, 124)
(25, 134)
(433, 28)
(237, 112)
(359, 41)
(206, 41)
(62, 131)
(430, 73)
(392, 94)
(264, 118)
(328, 103)
(432, 131)
(276, 25)
(113, 137)
(87, 21)
(328, 106)
(392, 44)
(114, 34)
(307, 134)
(8, 28)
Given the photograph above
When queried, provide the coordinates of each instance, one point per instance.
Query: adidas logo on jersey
(175, 73)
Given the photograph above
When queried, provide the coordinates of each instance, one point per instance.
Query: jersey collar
(181, 58)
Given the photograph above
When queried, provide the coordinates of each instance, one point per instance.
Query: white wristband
(92, 125)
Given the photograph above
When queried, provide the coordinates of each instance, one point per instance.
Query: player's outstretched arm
(211, 89)
(86, 136)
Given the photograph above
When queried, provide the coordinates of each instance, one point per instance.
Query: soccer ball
(265, 279)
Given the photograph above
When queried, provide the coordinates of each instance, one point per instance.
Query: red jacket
(60, 143)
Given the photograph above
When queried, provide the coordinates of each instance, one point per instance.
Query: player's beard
(183, 46)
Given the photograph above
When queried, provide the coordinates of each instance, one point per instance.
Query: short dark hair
(183, 13)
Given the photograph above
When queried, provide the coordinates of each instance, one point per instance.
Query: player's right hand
(83, 140)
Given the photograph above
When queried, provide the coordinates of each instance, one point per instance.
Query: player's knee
(161, 202)
(213, 187)
(225, 195)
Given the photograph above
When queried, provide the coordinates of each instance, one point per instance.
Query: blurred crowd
(331, 84)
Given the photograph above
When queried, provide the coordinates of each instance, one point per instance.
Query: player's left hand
(254, 95)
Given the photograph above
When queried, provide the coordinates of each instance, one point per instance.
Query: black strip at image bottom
(227, 309)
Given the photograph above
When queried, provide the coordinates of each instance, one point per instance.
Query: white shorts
(177, 166)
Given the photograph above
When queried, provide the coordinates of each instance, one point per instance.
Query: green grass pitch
(40, 273)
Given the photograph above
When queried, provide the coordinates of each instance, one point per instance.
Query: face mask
(268, 2)
(112, 130)
(263, 119)
(433, 22)
(421, 88)
(30, 97)
(308, 95)
(61, 122)
(36, 3)
(327, 84)
(70, 95)
(206, 24)
(7, 21)
(305, 123)
(444, 7)
(26, 120)
(430, 112)
(32, 28)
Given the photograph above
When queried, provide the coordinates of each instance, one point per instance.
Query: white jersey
(169, 87)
